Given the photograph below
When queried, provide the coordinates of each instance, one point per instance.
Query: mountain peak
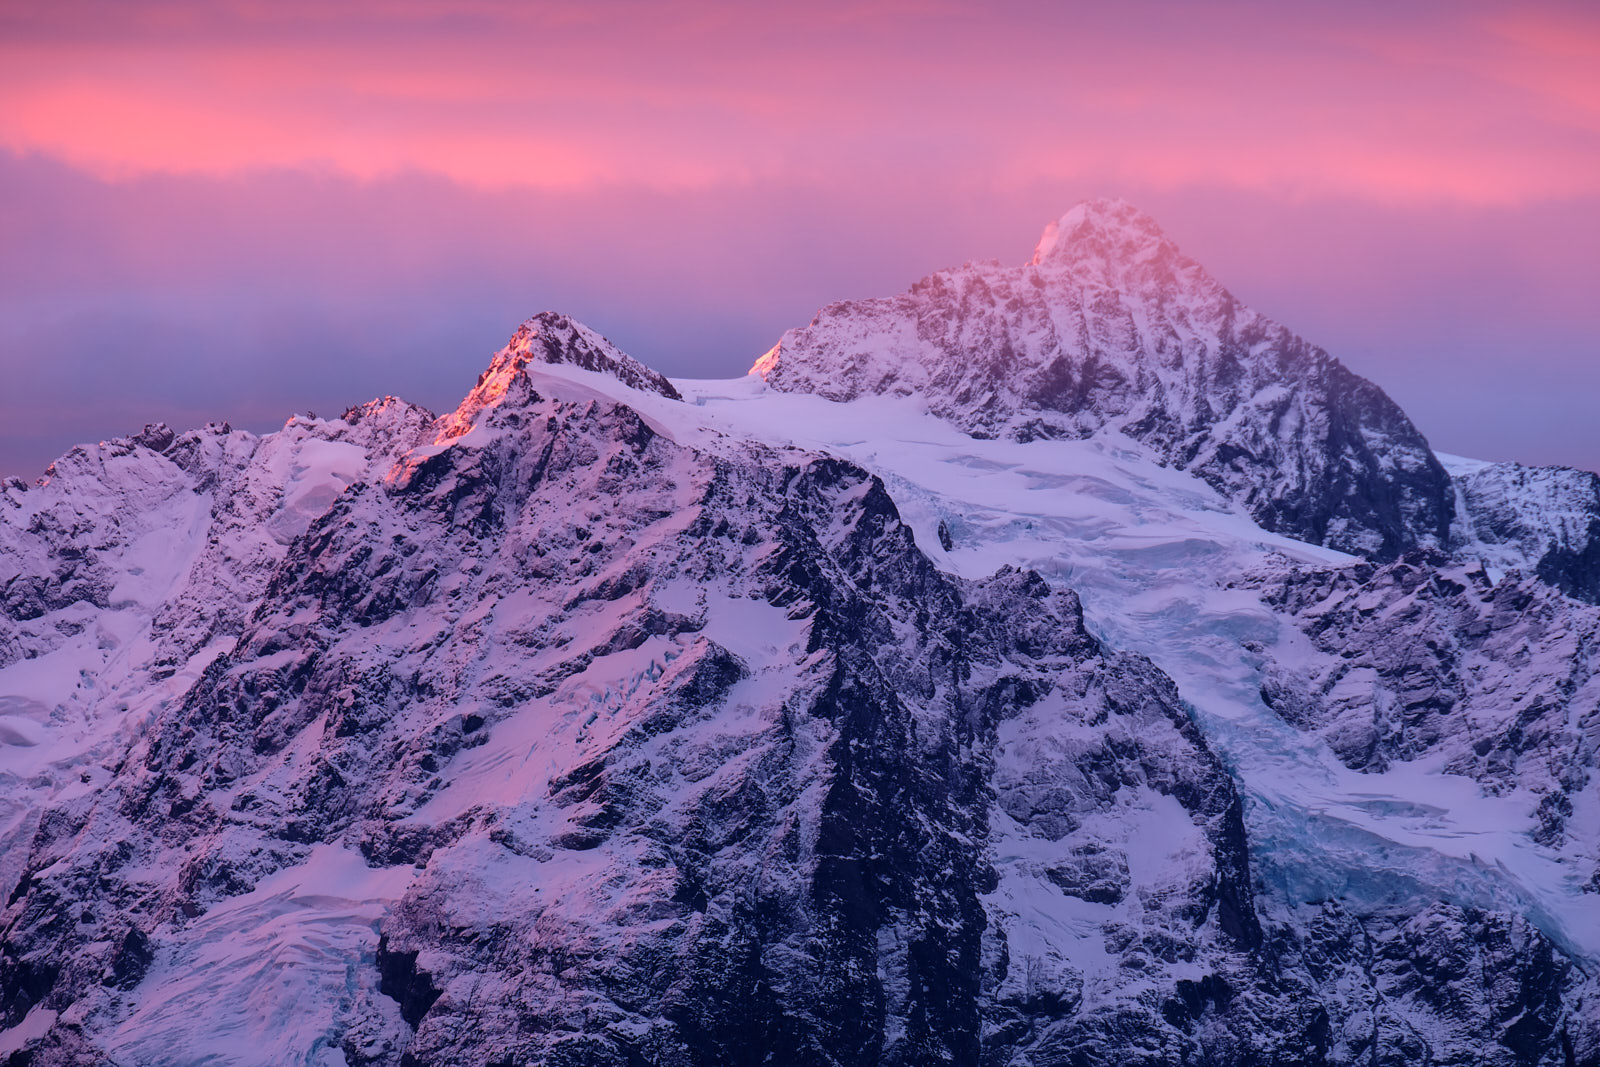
(1111, 328)
(1109, 230)
(549, 338)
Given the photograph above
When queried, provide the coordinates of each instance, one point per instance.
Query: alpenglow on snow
(1051, 664)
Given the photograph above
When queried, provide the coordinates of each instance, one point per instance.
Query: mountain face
(1545, 520)
(609, 720)
(1110, 325)
(1439, 660)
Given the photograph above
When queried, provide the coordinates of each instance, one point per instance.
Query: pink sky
(237, 210)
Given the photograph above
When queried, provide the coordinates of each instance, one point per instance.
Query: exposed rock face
(1543, 521)
(1442, 985)
(1427, 660)
(1111, 327)
(1428, 657)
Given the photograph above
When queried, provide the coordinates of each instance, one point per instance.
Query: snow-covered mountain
(1110, 326)
(884, 706)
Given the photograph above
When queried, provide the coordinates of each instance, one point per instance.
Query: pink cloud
(1463, 103)
(260, 206)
